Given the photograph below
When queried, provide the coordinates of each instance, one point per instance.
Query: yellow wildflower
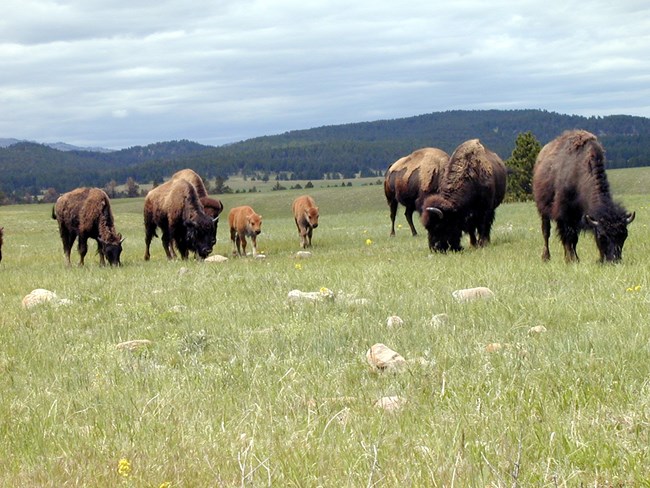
(124, 468)
(298, 266)
(368, 242)
(166, 484)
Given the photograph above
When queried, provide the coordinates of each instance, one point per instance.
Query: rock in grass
(391, 403)
(134, 345)
(382, 358)
(303, 255)
(40, 296)
(472, 294)
(216, 258)
(494, 347)
(297, 296)
(439, 320)
(538, 329)
(394, 321)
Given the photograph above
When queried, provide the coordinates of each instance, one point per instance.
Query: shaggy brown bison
(570, 186)
(2, 229)
(410, 178)
(243, 222)
(174, 206)
(86, 213)
(305, 214)
(471, 187)
(212, 206)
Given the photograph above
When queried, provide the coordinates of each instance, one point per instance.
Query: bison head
(443, 225)
(610, 230)
(254, 224)
(311, 214)
(112, 249)
(201, 236)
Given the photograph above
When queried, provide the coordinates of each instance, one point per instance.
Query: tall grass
(241, 388)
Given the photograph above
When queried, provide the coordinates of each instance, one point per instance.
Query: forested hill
(367, 148)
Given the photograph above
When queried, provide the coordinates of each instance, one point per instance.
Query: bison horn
(435, 210)
(590, 221)
(122, 240)
(630, 217)
(215, 220)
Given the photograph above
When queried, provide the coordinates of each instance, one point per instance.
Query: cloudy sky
(117, 73)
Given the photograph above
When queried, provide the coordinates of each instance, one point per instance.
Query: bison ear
(629, 218)
(592, 222)
(436, 211)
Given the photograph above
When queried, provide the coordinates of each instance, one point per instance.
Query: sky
(118, 73)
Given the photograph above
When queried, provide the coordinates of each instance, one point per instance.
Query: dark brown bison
(471, 187)
(244, 222)
(174, 206)
(212, 206)
(86, 213)
(410, 178)
(570, 186)
(305, 214)
(2, 229)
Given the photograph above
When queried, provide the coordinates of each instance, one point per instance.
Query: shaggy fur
(472, 186)
(570, 187)
(86, 213)
(212, 206)
(243, 222)
(411, 177)
(305, 214)
(174, 206)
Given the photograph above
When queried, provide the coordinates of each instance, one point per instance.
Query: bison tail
(53, 212)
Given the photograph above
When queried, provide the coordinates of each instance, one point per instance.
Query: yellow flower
(124, 468)
(368, 242)
(629, 289)
(399, 226)
(637, 288)
(166, 484)
(298, 266)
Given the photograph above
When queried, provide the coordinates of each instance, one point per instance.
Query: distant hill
(366, 148)
(61, 146)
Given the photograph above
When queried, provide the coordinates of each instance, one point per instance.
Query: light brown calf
(305, 213)
(244, 222)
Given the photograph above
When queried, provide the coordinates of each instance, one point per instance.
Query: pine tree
(520, 166)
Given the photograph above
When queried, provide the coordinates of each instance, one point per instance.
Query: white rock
(183, 271)
(260, 256)
(538, 329)
(303, 255)
(310, 296)
(40, 296)
(381, 357)
(391, 403)
(439, 320)
(471, 294)
(394, 321)
(216, 258)
(134, 344)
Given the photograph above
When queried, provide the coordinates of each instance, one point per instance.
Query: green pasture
(239, 387)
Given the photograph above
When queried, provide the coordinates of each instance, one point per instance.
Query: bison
(471, 187)
(2, 229)
(411, 177)
(305, 214)
(174, 206)
(212, 206)
(86, 213)
(570, 187)
(243, 222)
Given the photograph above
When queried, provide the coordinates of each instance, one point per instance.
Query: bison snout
(315, 225)
(258, 232)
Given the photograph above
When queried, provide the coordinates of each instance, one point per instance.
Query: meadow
(239, 387)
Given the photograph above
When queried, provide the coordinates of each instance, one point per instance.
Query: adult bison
(410, 178)
(244, 222)
(305, 214)
(174, 206)
(570, 186)
(471, 187)
(212, 206)
(86, 213)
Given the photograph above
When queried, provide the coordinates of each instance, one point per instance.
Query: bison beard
(570, 186)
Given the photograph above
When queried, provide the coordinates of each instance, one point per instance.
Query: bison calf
(305, 214)
(86, 213)
(244, 222)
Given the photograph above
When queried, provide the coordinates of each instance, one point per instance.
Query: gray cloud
(124, 73)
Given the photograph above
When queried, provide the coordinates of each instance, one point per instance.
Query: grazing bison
(305, 214)
(411, 177)
(174, 206)
(471, 187)
(212, 206)
(86, 213)
(2, 229)
(244, 222)
(570, 186)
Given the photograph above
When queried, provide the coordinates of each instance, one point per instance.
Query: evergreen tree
(520, 165)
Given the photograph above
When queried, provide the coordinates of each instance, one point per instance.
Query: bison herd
(453, 195)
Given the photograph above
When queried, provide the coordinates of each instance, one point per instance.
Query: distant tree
(110, 189)
(50, 195)
(520, 165)
(278, 187)
(132, 188)
(220, 184)
(309, 185)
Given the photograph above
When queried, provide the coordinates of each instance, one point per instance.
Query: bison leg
(569, 237)
(393, 212)
(484, 229)
(83, 249)
(546, 233)
(167, 245)
(100, 251)
(68, 241)
(408, 213)
(241, 244)
(254, 243)
(310, 230)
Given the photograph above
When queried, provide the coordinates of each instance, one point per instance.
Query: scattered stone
(494, 347)
(538, 329)
(178, 309)
(383, 358)
(394, 321)
(471, 294)
(259, 256)
(440, 320)
(216, 258)
(310, 296)
(134, 345)
(303, 255)
(391, 403)
(40, 296)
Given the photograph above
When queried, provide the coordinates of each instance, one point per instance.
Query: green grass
(240, 388)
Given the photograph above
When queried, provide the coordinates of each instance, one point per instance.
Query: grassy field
(241, 388)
